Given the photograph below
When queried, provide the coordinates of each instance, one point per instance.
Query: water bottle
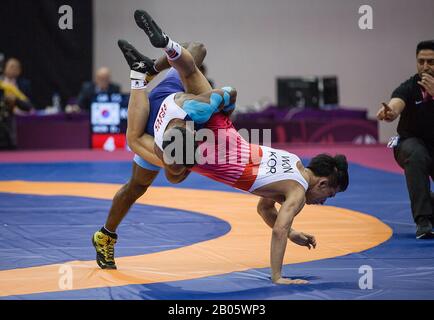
(56, 102)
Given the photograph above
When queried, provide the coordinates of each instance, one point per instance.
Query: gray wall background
(251, 42)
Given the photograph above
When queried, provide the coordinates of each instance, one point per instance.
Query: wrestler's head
(330, 176)
(179, 145)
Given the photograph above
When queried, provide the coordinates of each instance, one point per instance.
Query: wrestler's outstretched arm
(295, 200)
(268, 212)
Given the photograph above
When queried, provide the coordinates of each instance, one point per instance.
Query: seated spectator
(11, 99)
(102, 84)
(16, 90)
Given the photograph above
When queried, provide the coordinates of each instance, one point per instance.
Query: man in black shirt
(413, 102)
(101, 85)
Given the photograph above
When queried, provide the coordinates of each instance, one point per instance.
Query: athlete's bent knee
(198, 51)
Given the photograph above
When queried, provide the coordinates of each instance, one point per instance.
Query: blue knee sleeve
(201, 112)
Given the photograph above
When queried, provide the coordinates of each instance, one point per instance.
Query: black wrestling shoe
(157, 37)
(137, 61)
(424, 229)
(105, 249)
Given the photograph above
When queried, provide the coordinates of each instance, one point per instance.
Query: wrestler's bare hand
(303, 239)
(290, 281)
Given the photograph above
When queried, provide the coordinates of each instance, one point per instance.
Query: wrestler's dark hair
(188, 154)
(425, 45)
(335, 168)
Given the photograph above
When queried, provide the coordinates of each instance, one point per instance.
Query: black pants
(417, 160)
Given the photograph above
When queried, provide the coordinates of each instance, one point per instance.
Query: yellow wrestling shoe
(105, 249)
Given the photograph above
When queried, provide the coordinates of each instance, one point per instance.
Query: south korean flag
(105, 113)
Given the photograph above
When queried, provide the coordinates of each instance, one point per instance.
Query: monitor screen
(300, 92)
(330, 92)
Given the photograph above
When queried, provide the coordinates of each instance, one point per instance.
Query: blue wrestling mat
(38, 230)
